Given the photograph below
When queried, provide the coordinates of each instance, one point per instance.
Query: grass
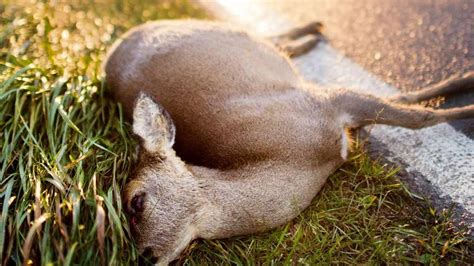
(66, 152)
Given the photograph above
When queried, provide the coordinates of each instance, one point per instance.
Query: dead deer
(233, 140)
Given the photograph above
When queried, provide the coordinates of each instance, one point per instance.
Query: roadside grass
(65, 149)
(66, 152)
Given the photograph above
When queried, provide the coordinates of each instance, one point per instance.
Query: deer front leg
(299, 40)
(314, 27)
(300, 46)
(367, 109)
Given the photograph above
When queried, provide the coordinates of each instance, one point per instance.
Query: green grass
(66, 152)
(65, 149)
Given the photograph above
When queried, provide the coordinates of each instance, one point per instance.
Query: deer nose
(137, 204)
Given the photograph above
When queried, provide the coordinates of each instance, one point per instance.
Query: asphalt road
(408, 43)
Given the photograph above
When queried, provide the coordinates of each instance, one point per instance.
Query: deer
(233, 140)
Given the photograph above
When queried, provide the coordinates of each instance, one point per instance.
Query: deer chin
(186, 236)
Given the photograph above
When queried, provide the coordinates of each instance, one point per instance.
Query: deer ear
(153, 125)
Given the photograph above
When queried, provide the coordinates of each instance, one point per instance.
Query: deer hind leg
(451, 85)
(299, 40)
(367, 109)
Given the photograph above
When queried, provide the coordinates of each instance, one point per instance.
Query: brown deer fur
(255, 141)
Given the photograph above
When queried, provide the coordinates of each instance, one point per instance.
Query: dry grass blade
(100, 222)
(31, 234)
